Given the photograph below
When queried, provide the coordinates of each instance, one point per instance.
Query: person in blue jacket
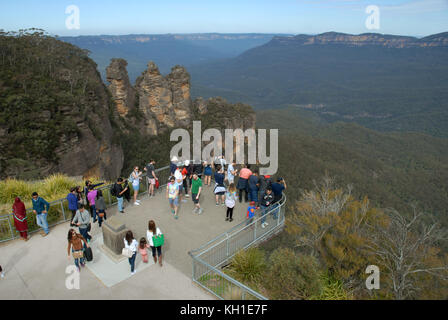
(72, 199)
(40, 209)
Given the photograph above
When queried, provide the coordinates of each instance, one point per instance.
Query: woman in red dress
(19, 212)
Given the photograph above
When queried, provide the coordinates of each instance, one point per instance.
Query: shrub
(248, 266)
(292, 276)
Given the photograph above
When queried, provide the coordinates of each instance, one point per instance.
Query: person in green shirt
(196, 188)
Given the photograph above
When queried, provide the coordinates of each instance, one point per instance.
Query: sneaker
(266, 224)
(176, 217)
(217, 204)
(187, 196)
(136, 204)
(195, 210)
(263, 225)
(132, 273)
(200, 211)
(227, 219)
(223, 204)
(2, 275)
(122, 211)
(138, 201)
(44, 234)
(230, 220)
(173, 211)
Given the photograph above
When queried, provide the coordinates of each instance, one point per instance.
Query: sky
(401, 17)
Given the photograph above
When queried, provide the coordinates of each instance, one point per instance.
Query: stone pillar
(114, 231)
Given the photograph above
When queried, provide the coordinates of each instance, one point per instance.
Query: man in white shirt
(179, 178)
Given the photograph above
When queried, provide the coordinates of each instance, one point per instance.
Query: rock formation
(120, 87)
(165, 101)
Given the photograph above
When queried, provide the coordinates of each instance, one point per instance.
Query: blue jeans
(253, 195)
(264, 211)
(41, 219)
(275, 210)
(132, 261)
(120, 204)
(82, 260)
(84, 233)
(93, 212)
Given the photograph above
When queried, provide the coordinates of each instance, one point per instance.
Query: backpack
(131, 177)
(113, 190)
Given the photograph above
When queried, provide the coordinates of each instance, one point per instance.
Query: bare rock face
(120, 87)
(164, 102)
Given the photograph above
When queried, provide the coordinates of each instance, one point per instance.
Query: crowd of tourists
(187, 180)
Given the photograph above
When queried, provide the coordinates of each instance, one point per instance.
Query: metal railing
(59, 212)
(209, 259)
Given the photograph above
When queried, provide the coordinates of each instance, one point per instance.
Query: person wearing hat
(172, 194)
(173, 165)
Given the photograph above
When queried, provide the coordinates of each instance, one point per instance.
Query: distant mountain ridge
(365, 39)
(166, 49)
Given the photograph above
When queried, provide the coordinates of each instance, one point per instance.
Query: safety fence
(210, 259)
(59, 212)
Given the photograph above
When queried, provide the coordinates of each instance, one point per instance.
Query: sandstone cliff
(365, 39)
(55, 111)
(165, 102)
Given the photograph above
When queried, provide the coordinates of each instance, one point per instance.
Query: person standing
(100, 206)
(266, 201)
(231, 172)
(207, 173)
(196, 188)
(136, 177)
(220, 189)
(142, 246)
(91, 196)
(76, 244)
(250, 212)
(277, 189)
(230, 201)
(118, 192)
(253, 187)
(153, 230)
(82, 220)
(172, 194)
(184, 180)
(132, 244)
(72, 199)
(40, 209)
(151, 176)
(89, 186)
(179, 179)
(173, 165)
(243, 185)
(20, 222)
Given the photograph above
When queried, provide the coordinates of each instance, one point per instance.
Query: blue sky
(406, 17)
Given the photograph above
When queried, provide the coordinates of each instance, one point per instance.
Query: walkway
(36, 269)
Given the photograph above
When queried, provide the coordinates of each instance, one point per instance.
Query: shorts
(136, 187)
(152, 181)
(174, 201)
(159, 251)
(193, 197)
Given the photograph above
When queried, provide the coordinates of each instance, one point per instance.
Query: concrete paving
(37, 269)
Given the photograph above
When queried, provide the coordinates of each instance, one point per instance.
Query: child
(207, 173)
(250, 212)
(142, 249)
(230, 201)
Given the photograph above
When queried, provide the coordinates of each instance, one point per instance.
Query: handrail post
(255, 229)
(227, 244)
(10, 228)
(63, 211)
